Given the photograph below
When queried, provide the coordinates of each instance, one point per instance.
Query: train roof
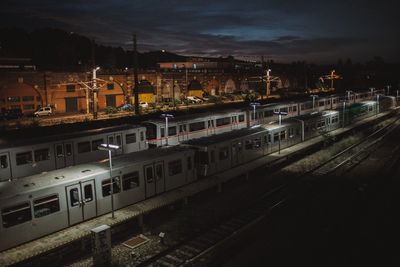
(190, 117)
(27, 139)
(317, 114)
(87, 170)
(213, 139)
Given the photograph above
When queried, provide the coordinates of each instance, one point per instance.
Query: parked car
(11, 114)
(45, 111)
(126, 107)
(144, 105)
(194, 99)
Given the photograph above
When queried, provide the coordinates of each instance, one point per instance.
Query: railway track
(356, 153)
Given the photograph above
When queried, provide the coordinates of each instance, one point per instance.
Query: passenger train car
(193, 126)
(44, 203)
(20, 157)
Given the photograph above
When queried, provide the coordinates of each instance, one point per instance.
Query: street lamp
(254, 105)
(166, 116)
(388, 88)
(110, 148)
(372, 91)
(280, 113)
(377, 104)
(348, 95)
(344, 110)
(313, 100)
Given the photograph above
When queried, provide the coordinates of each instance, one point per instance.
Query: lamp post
(110, 148)
(166, 116)
(388, 88)
(313, 101)
(377, 104)
(348, 95)
(254, 105)
(372, 91)
(344, 110)
(280, 113)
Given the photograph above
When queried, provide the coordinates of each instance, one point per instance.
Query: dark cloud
(281, 29)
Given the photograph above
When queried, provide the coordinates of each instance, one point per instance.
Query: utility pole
(262, 78)
(135, 76)
(95, 91)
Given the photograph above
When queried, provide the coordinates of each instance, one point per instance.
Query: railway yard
(230, 224)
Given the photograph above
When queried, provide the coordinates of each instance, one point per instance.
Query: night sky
(315, 31)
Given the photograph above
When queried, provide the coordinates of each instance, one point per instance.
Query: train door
(149, 177)
(81, 201)
(210, 127)
(159, 176)
(212, 163)
(64, 155)
(115, 139)
(5, 169)
(182, 135)
(234, 122)
(236, 153)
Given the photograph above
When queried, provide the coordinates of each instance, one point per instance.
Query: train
(45, 203)
(23, 157)
(20, 157)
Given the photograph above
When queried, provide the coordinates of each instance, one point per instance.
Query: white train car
(42, 204)
(21, 157)
(193, 126)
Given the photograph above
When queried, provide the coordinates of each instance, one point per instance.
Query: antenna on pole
(135, 75)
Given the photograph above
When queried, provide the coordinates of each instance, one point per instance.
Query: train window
(96, 143)
(119, 140)
(248, 145)
(162, 131)
(130, 180)
(110, 139)
(321, 103)
(328, 102)
(87, 193)
(212, 156)
(285, 109)
(223, 121)
(203, 157)
(290, 109)
(171, 130)
(45, 206)
(149, 174)
(276, 137)
(106, 186)
(68, 149)
(141, 136)
(283, 135)
(74, 197)
(294, 108)
(131, 138)
(174, 167)
(16, 214)
(59, 151)
(223, 153)
(151, 131)
(23, 158)
(42, 154)
(84, 147)
(3, 162)
(268, 113)
(196, 126)
(256, 142)
(241, 117)
(189, 163)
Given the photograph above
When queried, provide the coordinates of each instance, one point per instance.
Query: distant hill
(55, 49)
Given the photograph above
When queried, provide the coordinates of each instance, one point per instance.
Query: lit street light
(254, 105)
(166, 116)
(348, 95)
(110, 148)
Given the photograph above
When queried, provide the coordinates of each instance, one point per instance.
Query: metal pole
(135, 76)
(279, 149)
(377, 104)
(313, 103)
(280, 119)
(112, 185)
(94, 94)
(166, 130)
(344, 109)
(254, 113)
